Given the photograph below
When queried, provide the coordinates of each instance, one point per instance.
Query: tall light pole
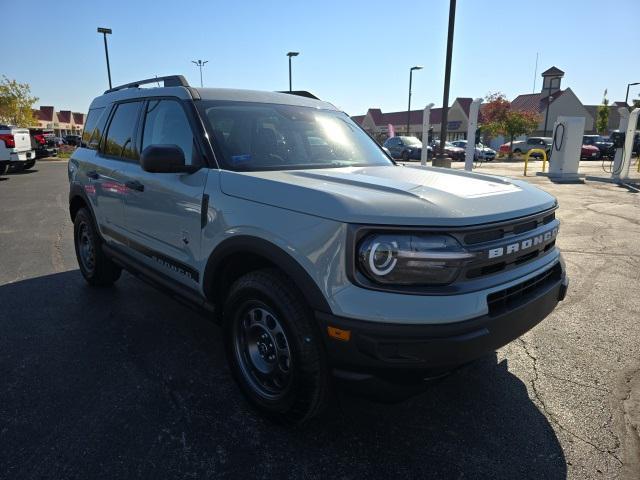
(549, 100)
(447, 78)
(626, 98)
(200, 64)
(417, 67)
(291, 54)
(105, 32)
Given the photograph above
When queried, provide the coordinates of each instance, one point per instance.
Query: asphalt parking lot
(127, 383)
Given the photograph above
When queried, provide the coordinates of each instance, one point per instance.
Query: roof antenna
(157, 81)
(535, 74)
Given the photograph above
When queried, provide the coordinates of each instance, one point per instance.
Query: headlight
(421, 259)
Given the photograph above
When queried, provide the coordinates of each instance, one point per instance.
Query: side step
(182, 294)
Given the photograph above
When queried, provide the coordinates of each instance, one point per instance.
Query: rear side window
(93, 128)
(167, 124)
(119, 142)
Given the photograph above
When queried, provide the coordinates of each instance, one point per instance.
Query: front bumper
(386, 352)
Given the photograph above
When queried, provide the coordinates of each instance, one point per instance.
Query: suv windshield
(259, 136)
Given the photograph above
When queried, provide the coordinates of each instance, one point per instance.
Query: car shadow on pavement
(126, 382)
(21, 172)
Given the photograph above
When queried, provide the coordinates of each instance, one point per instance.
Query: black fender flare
(271, 252)
(76, 191)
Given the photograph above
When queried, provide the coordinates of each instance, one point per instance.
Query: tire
(96, 268)
(29, 164)
(3, 168)
(517, 150)
(405, 156)
(274, 348)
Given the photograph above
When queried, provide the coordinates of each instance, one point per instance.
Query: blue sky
(355, 54)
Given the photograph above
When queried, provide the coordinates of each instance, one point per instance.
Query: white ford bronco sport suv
(324, 261)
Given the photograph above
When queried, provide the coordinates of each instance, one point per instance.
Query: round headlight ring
(387, 255)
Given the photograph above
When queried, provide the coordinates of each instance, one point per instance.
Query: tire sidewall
(303, 379)
(82, 217)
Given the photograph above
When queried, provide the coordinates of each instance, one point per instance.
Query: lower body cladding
(392, 361)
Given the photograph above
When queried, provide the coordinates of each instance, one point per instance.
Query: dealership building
(552, 101)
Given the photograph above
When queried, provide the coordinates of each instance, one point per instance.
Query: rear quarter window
(93, 128)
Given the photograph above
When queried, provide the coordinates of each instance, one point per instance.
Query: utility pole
(200, 64)
(105, 32)
(417, 67)
(441, 159)
(291, 54)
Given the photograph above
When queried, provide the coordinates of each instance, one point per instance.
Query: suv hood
(391, 195)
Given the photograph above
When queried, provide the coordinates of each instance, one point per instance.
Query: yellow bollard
(544, 159)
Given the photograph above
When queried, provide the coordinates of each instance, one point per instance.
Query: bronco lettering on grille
(522, 245)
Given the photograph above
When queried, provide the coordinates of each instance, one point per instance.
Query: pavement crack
(568, 380)
(547, 412)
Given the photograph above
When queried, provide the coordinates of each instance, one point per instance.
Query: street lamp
(626, 98)
(200, 64)
(105, 32)
(291, 54)
(549, 100)
(417, 67)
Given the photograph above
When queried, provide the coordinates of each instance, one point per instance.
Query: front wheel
(96, 268)
(405, 156)
(274, 348)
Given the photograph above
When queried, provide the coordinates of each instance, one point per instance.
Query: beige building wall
(568, 105)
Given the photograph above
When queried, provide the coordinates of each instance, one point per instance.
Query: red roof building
(62, 122)
(377, 123)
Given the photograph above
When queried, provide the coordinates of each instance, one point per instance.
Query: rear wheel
(274, 348)
(96, 268)
(3, 168)
(405, 156)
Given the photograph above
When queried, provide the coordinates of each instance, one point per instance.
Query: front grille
(515, 228)
(512, 297)
(483, 241)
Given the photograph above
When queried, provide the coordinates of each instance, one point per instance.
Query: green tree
(16, 103)
(602, 115)
(500, 119)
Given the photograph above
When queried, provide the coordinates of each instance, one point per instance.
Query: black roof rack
(169, 81)
(301, 93)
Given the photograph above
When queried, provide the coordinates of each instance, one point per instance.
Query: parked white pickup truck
(15, 148)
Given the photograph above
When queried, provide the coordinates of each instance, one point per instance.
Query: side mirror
(165, 159)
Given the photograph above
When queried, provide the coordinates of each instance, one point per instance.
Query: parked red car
(589, 152)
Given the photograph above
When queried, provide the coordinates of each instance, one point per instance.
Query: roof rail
(169, 81)
(301, 93)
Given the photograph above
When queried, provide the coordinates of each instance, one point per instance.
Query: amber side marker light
(339, 334)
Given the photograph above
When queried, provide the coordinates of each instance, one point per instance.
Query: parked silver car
(482, 152)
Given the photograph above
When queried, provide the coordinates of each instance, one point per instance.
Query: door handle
(93, 174)
(135, 185)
